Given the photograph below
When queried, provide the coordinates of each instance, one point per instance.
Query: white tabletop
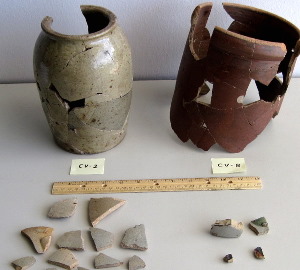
(177, 223)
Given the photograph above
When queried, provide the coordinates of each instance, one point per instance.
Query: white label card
(88, 166)
(228, 165)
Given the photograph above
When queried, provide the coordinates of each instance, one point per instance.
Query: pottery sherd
(104, 261)
(136, 263)
(23, 263)
(40, 237)
(135, 238)
(227, 228)
(228, 258)
(259, 226)
(63, 258)
(258, 253)
(63, 209)
(71, 240)
(102, 239)
(101, 207)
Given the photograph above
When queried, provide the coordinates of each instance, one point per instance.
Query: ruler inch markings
(157, 185)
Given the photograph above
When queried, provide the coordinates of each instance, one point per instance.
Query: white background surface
(177, 224)
(156, 29)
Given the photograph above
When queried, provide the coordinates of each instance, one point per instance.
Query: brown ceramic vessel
(256, 46)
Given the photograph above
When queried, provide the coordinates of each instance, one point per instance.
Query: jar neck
(100, 21)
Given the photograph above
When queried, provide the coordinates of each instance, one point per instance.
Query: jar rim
(112, 22)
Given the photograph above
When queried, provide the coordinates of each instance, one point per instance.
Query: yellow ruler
(157, 185)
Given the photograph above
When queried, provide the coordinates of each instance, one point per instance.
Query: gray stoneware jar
(85, 82)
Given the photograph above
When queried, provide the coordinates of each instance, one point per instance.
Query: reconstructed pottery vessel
(256, 46)
(85, 82)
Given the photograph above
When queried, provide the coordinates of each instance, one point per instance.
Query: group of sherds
(99, 208)
(134, 238)
(230, 228)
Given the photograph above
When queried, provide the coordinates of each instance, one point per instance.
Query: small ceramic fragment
(228, 258)
(71, 240)
(136, 263)
(63, 258)
(104, 261)
(101, 207)
(40, 237)
(227, 228)
(102, 239)
(258, 253)
(23, 263)
(80, 268)
(259, 226)
(135, 238)
(63, 209)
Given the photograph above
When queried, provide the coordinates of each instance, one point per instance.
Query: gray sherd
(104, 261)
(259, 226)
(227, 228)
(80, 268)
(136, 263)
(40, 237)
(63, 209)
(102, 239)
(23, 263)
(63, 258)
(135, 238)
(71, 240)
(101, 207)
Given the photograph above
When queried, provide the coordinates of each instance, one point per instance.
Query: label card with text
(88, 166)
(228, 165)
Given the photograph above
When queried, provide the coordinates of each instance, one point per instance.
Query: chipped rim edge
(47, 23)
(261, 11)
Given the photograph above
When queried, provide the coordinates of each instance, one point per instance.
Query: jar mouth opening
(99, 21)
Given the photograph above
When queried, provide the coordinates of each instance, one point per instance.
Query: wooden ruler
(157, 185)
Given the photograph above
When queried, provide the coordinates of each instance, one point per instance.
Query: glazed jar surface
(85, 82)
